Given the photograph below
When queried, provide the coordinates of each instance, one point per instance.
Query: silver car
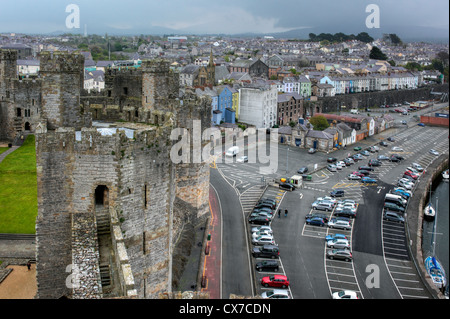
(263, 240)
(338, 243)
(340, 224)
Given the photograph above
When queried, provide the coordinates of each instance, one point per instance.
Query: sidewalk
(211, 269)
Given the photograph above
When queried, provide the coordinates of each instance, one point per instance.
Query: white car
(327, 198)
(345, 294)
(353, 177)
(340, 165)
(397, 149)
(276, 294)
(346, 201)
(434, 152)
(263, 240)
(338, 243)
(262, 227)
(242, 159)
(339, 223)
(349, 206)
(260, 233)
(406, 184)
(417, 166)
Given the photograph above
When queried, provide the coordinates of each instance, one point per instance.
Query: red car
(358, 174)
(409, 173)
(278, 281)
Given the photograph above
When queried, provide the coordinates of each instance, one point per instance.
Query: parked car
(330, 199)
(358, 157)
(358, 174)
(332, 167)
(346, 212)
(263, 240)
(322, 216)
(417, 167)
(340, 165)
(434, 152)
(406, 184)
(345, 294)
(261, 228)
(393, 207)
(420, 124)
(353, 177)
(302, 170)
(335, 236)
(391, 139)
(339, 223)
(315, 221)
(287, 186)
(270, 265)
(260, 220)
(409, 173)
(331, 159)
(397, 149)
(393, 217)
(279, 281)
(401, 158)
(357, 148)
(266, 251)
(275, 294)
(367, 179)
(383, 158)
(324, 205)
(374, 162)
(338, 243)
(342, 254)
(404, 193)
(365, 173)
(349, 161)
(365, 168)
(383, 143)
(372, 149)
(262, 232)
(263, 204)
(365, 153)
(312, 150)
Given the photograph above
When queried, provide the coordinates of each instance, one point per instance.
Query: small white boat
(429, 212)
(445, 175)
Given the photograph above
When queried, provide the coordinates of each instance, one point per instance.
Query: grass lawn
(18, 190)
(3, 149)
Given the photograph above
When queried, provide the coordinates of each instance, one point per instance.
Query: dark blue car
(315, 221)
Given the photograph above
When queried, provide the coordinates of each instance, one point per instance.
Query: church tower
(211, 70)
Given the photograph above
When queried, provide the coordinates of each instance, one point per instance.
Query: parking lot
(373, 240)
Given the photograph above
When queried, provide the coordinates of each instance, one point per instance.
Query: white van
(354, 111)
(395, 199)
(232, 151)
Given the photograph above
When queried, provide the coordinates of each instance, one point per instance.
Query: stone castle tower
(111, 206)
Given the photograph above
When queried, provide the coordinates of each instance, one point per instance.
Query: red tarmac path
(212, 261)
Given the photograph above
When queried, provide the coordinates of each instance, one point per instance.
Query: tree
(377, 54)
(364, 37)
(319, 122)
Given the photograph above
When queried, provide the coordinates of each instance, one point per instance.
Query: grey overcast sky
(228, 17)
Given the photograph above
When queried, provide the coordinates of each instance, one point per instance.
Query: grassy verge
(18, 190)
(3, 149)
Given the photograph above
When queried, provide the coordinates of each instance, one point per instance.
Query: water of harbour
(441, 193)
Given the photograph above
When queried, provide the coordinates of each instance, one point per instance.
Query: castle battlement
(60, 61)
